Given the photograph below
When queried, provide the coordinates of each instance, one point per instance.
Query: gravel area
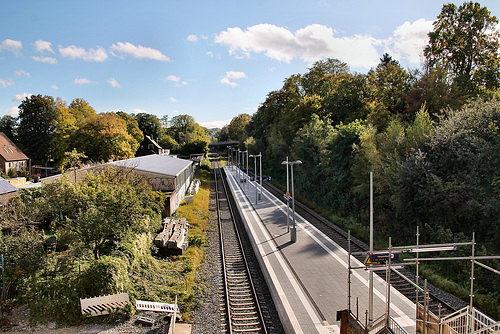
(207, 317)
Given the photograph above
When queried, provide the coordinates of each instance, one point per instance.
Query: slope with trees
(430, 137)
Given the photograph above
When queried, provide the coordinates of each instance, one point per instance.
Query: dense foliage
(104, 226)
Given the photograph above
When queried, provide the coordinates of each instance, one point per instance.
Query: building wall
(15, 165)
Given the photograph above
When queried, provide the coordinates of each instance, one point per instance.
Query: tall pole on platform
(255, 174)
(260, 159)
(288, 194)
(370, 279)
(246, 164)
(239, 163)
(293, 229)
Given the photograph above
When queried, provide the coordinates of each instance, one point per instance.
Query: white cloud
(409, 40)
(54, 87)
(138, 51)
(74, 52)
(47, 60)
(13, 111)
(231, 75)
(177, 80)
(21, 97)
(21, 72)
(316, 41)
(11, 45)
(310, 44)
(6, 83)
(210, 54)
(215, 124)
(192, 38)
(83, 81)
(113, 83)
(41, 46)
(173, 78)
(138, 111)
(173, 99)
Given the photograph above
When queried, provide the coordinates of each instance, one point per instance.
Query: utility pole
(293, 229)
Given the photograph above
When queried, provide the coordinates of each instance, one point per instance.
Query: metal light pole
(293, 229)
(228, 150)
(255, 174)
(260, 159)
(287, 194)
(246, 165)
(370, 279)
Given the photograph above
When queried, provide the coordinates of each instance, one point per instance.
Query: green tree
(319, 76)
(81, 109)
(449, 182)
(109, 204)
(104, 136)
(37, 125)
(149, 124)
(433, 91)
(72, 160)
(132, 129)
(465, 43)
(181, 126)
(237, 127)
(388, 84)
(8, 125)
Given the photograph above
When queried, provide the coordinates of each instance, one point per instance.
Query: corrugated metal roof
(154, 163)
(9, 151)
(6, 187)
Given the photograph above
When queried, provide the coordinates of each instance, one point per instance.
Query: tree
(449, 182)
(104, 136)
(149, 124)
(37, 125)
(81, 109)
(180, 126)
(435, 92)
(8, 125)
(132, 129)
(465, 43)
(236, 128)
(388, 84)
(313, 82)
(105, 207)
(72, 160)
(66, 124)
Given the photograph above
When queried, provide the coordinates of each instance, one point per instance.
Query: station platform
(308, 278)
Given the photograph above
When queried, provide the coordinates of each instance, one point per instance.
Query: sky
(212, 60)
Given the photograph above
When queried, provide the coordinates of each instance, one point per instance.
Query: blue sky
(212, 60)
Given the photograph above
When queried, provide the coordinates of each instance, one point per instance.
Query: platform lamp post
(235, 161)
(370, 277)
(255, 174)
(232, 160)
(287, 194)
(228, 151)
(260, 161)
(239, 160)
(246, 165)
(293, 229)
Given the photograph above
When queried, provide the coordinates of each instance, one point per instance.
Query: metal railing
(386, 321)
(469, 321)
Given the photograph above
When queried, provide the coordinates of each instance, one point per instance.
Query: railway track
(440, 302)
(246, 307)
